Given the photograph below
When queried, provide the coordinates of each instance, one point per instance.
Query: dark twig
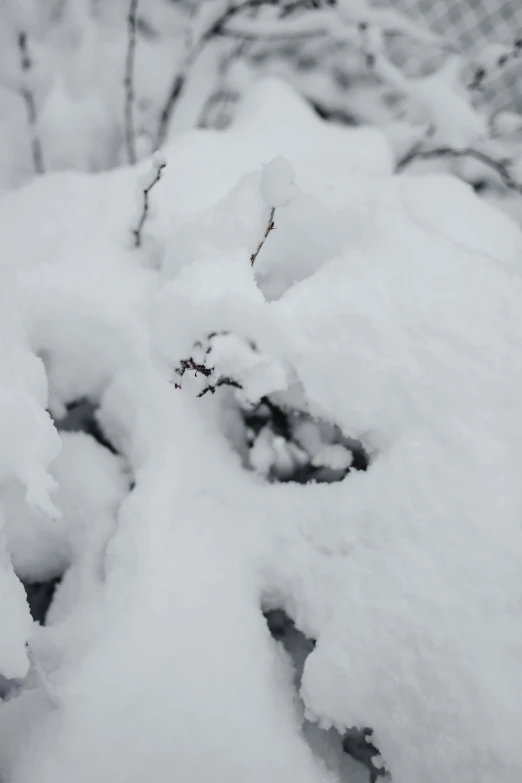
(500, 167)
(278, 421)
(270, 227)
(27, 94)
(168, 110)
(130, 95)
(138, 231)
(225, 381)
(201, 368)
(196, 367)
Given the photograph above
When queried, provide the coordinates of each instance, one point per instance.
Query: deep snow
(390, 306)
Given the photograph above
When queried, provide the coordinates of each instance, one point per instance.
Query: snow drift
(390, 307)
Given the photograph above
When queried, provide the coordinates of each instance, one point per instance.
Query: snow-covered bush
(91, 85)
(306, 377)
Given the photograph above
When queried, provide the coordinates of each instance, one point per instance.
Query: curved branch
(180, 79)
(500, 167)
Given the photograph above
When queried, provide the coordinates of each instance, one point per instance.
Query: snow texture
(388, 306)
(277, 183)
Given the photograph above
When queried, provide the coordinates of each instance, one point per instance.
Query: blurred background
(475, 25)
(93, 84)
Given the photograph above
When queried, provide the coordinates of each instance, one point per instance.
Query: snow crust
(389, 306)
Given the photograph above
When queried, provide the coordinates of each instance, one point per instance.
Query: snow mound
(399, 324)
(91, 486)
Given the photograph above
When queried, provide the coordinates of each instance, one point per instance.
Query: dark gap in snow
(8, 688)
(281, 626)
(480, 185)
(39, 597)
(355, 742)
(81, 417)
(358, 743)
(288, 445)
(337, 116)
(280, 442)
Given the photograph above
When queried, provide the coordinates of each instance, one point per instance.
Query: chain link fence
(474, 24)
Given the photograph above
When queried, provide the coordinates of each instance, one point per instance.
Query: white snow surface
(91, 486)
(395, 306)
(277, 183)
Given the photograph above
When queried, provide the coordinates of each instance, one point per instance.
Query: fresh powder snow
(382, 310)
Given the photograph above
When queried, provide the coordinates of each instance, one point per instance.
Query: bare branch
(179, 81)
(27, 94)
(201, 368)
(327, 21)
(224, 381)
(319, 21)
(130, 95)
(500, 167)
(168, 110)
(298, 5)
(138, 231)
(270, 227)
(314, 24)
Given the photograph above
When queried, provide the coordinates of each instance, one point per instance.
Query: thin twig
(201, 368)
(500, 167)
(224, 381)
(270, 227)
(130, 95)
(137, 232)
(195, 367)
(27, 94)
(168, 110)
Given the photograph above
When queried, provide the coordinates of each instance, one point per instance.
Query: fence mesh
(474, 24)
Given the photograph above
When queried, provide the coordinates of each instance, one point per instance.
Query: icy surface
(391, 307)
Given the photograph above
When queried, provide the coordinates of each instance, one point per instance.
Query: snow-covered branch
(341, 24)
(277, 189)
(310, 25)
(500, 167)
(207, 23)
